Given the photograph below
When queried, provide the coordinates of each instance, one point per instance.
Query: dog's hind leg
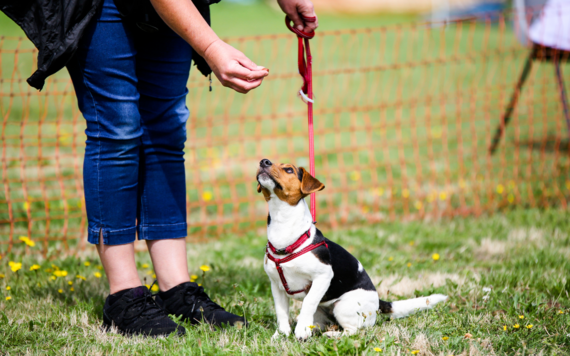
(356, 309)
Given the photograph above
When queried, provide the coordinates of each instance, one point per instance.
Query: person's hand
(296, 10)
(232, 68)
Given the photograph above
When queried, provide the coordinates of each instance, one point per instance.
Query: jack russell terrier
(302, 264)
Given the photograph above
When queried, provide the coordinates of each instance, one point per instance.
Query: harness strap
(306, 92)
(279, 261)
(293, 247)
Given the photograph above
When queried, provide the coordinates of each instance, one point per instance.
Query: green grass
(523, 256)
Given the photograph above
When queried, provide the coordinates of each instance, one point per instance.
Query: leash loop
(305, 63)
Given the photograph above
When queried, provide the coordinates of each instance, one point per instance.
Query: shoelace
(195, 295)
(149, 307)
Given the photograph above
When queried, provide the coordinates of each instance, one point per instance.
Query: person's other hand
(296, 10)
(232, 68)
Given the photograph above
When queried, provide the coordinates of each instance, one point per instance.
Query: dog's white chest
(298, 273)
(296, 276)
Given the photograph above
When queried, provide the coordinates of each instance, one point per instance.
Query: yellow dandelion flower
(411, 243)
(415, 352)
(146, 285)
(8, 298)
(418, 205)
(48, 270)
(445, 338)
(500, 189)
(39, 285)
(511, 198)
(8, 287)
(435, 256)
(561, 312)
(149, 272)
(390, 259)
(34, 267)
(155, 288)
(87, 264)
(97, 275)
(516, 326)
(99, 267)
(205, 268)
(442, 196)
(2, 275)
(15, 266)
(312, 327)
(529, 326)
(53, 278)
(355, 176)
(405, 193)
(72, 289)
(145, 265)
(521, 316)
(193, 276)
(377, 349)
(154, 275)
(80, 277)
(56, 268)
(26, 206)
(199, 284)
(27, 241)
(504, 327)
(60, 273)
(60, 291)
(409, 264)
(70, 283)
(207, 196)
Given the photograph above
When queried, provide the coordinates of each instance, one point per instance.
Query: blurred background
(408, 97)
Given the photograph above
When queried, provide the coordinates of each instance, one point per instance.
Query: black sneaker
(134, 311)
(189, 300)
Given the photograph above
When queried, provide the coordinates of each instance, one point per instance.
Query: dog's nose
(265, 163)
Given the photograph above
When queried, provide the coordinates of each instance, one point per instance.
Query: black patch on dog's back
(346, 277)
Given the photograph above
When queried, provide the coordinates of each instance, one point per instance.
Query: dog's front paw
(285, 330)
(303, 332)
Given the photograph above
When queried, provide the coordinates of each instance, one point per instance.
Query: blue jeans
(131, 89)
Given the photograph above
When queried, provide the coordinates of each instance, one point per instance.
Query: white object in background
(552, 28)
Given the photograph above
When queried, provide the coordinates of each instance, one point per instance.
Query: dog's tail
(403, 308)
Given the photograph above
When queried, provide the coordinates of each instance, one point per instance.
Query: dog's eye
(289, 170)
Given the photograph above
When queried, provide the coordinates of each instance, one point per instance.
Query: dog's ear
(310, 184)
(258, 188)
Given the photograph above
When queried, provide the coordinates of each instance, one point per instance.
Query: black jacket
(54, 26)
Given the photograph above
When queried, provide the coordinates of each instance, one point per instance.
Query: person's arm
(233, 68)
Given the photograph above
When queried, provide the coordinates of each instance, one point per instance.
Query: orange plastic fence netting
(404, 118)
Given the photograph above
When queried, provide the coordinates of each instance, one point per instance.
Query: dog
(302, 264)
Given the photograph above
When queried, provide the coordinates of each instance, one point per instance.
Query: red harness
(290, 249)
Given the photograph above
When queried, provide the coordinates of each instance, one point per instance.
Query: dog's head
(287, 182)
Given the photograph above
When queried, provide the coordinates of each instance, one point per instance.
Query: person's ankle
(172, 283)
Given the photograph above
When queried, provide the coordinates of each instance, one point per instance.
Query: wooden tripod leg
(510, 108)
(563, 98)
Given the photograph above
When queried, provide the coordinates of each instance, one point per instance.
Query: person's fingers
(307, 10)
(298, 23)
(243, 86)
(247, 74)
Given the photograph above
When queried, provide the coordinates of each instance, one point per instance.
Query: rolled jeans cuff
(112, 237)
(161, 232)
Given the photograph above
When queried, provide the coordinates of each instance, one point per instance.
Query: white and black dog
(302, 264)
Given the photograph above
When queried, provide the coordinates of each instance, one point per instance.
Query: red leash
(305, 62)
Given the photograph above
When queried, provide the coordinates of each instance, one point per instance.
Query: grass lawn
(522, 256)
